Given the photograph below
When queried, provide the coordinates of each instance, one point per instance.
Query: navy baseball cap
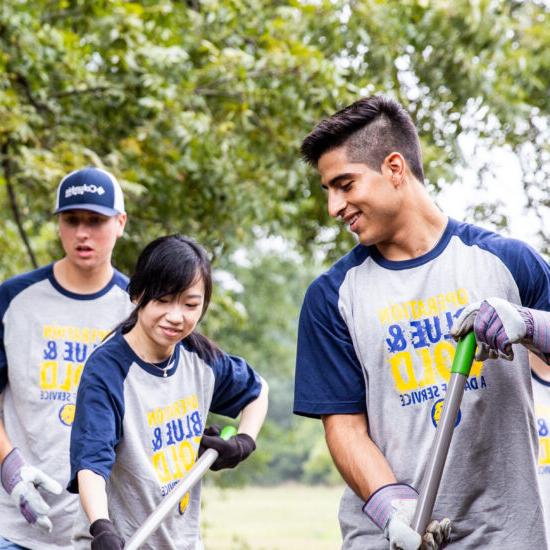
(90, 189)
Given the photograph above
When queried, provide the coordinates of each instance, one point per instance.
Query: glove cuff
(379, 506)
(102, 525)
(527, 318)
(11, 469)
(247, 445)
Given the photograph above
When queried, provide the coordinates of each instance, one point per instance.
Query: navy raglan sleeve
(97, 426)
(531, 273)
(329, 378)
(4, 303)
(8, 291)
(236, 385)
(535, 291)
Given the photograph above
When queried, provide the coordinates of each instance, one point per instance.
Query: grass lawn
(289, 517)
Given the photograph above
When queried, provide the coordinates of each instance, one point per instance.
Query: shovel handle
(460, 370)
(195, 474)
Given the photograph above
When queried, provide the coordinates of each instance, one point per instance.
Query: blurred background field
(286, 517)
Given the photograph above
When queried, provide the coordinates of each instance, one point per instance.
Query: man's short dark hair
(370, 129)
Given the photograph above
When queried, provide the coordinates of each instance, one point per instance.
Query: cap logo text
(81, 189)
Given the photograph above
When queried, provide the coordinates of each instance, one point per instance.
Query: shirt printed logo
(421, 349)
(437, 409)
(66, 414)
(183, 504)
(175, 434)
(64, 352)
(543, 425)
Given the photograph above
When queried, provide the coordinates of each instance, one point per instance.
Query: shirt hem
(312, 410)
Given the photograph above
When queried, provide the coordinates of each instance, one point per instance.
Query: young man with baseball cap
(50, 321)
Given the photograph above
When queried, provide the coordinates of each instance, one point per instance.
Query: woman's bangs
(172, 280)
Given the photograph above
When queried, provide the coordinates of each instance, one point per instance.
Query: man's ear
(121, 223)
(394, 167)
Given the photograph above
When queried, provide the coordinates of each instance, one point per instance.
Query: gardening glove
(22, 482)
(105, 535)
(392, 508)
(497, 325)
(231, 451)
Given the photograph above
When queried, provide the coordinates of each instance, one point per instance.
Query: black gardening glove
(105, 536)
(231, 451)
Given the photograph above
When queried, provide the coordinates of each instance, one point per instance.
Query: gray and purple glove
(498, 324)
(392, 508)
(22, 482)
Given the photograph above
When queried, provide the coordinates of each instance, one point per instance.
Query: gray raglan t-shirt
(46, 334)
(374, 339)
(141, 432)
(541, 394)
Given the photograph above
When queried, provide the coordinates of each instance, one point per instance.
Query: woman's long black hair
(169, 266)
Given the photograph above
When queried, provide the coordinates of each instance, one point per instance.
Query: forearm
(539, 333)
(358, 459)
(253, 415)
(5, 444)
(93, 497)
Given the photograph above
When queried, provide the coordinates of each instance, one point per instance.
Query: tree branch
(55, 16)
(6, 165)
(79, 92)
(39, 106)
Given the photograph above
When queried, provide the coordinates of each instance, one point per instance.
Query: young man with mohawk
(375, 347)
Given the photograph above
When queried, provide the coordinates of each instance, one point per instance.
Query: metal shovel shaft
(459, 374)
(199, 469)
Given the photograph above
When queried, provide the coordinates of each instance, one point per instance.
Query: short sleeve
(329, 378)
(532, 275)
(97, 426)
(530, 271)
(8, 291)
(236, 385)
(3, 358)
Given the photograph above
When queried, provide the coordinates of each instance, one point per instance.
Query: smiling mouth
(352, 220)
(171, 331)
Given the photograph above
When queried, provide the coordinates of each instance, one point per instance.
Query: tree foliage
(261, 291)
(199, 107)
(196, 108)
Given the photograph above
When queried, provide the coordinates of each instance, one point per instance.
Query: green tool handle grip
(464, 355)
(228, 432)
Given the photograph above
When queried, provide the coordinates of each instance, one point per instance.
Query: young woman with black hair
(143, 401)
